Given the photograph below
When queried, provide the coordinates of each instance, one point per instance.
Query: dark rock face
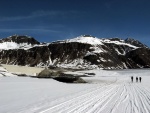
(140, 57)
(81, 55)
(115, 39)
(69, 79)
(44, 54)
(69, 51)
(30, 57)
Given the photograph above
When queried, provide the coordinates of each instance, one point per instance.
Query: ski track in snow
(116, 97)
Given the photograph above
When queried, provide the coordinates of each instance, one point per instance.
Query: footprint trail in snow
(108, 98)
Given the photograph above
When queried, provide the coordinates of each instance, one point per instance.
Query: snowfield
(106, 92)
(97, 41)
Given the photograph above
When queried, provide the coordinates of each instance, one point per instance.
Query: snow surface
(106, 92)
(98, 41)
(13, 45)
(88, 40)
(119, 43)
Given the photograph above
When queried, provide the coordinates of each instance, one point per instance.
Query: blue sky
(50, 20)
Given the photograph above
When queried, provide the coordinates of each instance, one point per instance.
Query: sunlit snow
(105, 92)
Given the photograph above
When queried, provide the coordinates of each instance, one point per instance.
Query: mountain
(20, 39)
(17, 42)
(83, 52)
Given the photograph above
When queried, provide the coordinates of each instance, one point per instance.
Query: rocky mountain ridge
(20, 39)
(83, 52)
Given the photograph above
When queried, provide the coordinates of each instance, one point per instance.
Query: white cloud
(31, 30)
(37, 14)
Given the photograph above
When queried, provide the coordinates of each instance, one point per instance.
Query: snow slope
(107, 92)
(14, 45)
(88, 40)
(98, 41)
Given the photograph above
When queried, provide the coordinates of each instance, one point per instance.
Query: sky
(51, 20)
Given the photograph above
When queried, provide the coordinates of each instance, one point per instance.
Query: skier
(132, 78)
(136, 79)
(140, 78)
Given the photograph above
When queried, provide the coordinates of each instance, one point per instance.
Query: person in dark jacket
(136, 79)
(140, 78)
(132, 78)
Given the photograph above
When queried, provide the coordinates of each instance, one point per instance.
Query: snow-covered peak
(86, 39)
(20, 39)
(18, 42)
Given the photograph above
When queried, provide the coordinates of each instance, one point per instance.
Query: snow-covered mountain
(17, 42)
(85, 52)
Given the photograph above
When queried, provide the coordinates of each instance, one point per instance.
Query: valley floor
(103, 94)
